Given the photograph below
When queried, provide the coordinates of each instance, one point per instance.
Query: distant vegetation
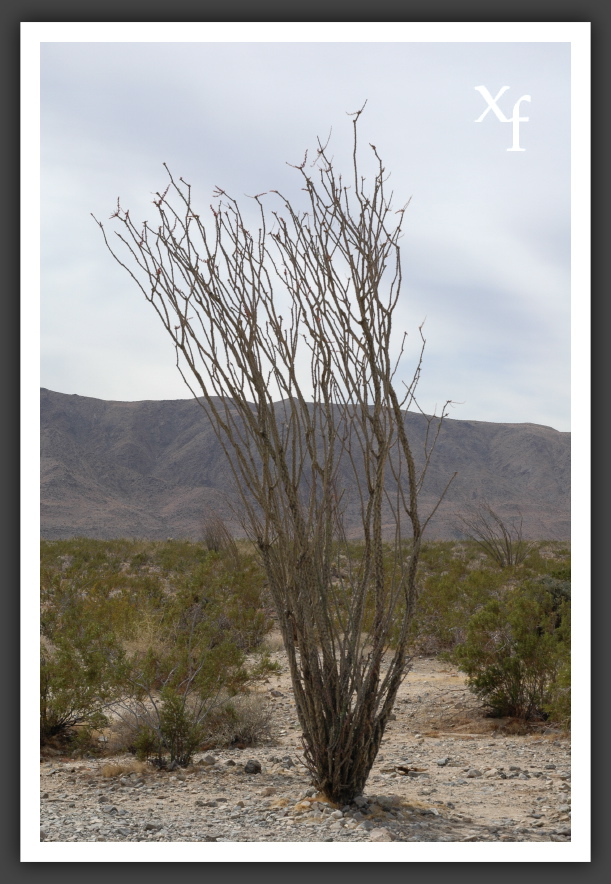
(165, 637)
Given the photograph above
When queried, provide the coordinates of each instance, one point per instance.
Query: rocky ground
(444, 773)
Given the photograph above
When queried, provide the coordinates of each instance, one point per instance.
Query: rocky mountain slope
(155, 469)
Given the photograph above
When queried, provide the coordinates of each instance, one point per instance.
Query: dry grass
(245, 721)
(273, 642)
(147, 636)
(117, 770)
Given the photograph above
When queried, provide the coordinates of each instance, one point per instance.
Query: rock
(550, 767)
(43, 835)
(252, 767)
(276, 693)
(209, 759)
(474, 773)
(380, 835)
(337, 815)
(360, 801)
(442, 761)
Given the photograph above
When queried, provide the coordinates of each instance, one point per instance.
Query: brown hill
(155, 469)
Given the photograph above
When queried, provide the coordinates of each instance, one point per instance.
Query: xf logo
(515, 119)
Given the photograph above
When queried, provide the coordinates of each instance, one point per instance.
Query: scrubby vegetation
(157, 637)
(507, 628)
(162, 639)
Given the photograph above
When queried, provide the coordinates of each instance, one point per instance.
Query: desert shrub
(216, 535)
(116, 770)
(144, 627)
(515, 649)
(558, 706)
(178, 670)
(244, 721)
(81, 660)
(448, 600)
(502, 540)
(180, 731)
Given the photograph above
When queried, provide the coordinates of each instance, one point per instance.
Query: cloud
(486, 245)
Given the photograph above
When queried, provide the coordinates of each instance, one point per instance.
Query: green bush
(154, 631)
(516, 647)
(81, 661)
(448, 601)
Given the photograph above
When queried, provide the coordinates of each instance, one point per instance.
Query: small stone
(209, 759)
(45, 795)
(380, 835)
(474, 773)
(153, 827)
(442, 761)
(337, 815)
(252, 767)
(550, 767)
(276, 693)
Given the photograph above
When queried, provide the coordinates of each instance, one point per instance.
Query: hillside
(154, 469)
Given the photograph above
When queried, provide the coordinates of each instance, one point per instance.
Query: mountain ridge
(154, 469)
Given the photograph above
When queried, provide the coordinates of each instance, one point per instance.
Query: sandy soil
(445, 772)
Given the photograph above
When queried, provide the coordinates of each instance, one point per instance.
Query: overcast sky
(486, 251)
